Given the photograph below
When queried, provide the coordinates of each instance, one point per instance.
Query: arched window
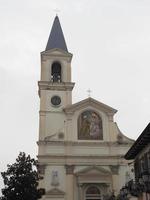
(93, 193)
(56, 72)
(90, 126)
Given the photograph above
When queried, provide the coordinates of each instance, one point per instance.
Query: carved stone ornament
(55, 178)
(69, 169)
(114, 169)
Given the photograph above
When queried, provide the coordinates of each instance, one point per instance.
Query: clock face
(56, 100)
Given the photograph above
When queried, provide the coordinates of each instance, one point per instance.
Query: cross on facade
(89, 92)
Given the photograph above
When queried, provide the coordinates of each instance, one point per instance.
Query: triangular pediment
(93, 170)
(90, 102)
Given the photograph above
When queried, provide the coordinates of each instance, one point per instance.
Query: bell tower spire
(56, 37)
(55, 86)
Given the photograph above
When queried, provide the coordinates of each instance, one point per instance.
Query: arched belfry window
(56, 72)
(92, 193)
(90, 126)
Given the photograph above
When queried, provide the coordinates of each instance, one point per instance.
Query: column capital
(114, 169)
(69, 169)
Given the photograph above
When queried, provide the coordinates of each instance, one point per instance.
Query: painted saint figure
(94, 126)
(89, 126)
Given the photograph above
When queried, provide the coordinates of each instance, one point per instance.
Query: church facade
(80, 147)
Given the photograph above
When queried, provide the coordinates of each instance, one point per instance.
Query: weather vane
(89, 92)
(56, 11)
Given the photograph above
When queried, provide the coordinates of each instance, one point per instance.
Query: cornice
(43, 112)
(81, 143)
(55, 193)
(55, 53)
(82, 160)
(62, 86)
(93, 103)
(62, 156)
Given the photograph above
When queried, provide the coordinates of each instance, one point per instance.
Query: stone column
(80, 194)
(115, 178)
(69, 182)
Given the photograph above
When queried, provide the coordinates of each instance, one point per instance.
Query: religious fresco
(90, 126)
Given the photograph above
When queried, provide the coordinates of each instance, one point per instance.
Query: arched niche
(56, 72)
(90, 126)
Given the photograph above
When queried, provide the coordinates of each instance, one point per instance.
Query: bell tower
(55, 86)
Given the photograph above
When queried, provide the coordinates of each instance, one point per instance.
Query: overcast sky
(110, 41)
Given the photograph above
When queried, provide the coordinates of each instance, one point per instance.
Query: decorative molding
(57, 156)
(56, 52)
(62, 86)
(92, 102)
(98, 170)
(43, 112)
(110, 116)
(83, 160)
(114, 169)
(69, 169)
(98, 143)
(55, 192)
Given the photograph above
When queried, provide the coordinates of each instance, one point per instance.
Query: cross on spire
(56, 37)
(56, 10)
(89, 92)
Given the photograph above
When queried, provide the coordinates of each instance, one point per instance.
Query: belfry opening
(56, 72)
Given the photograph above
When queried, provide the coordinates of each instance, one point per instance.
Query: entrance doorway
(93, 193)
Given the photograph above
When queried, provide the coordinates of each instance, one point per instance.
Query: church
(80, 147)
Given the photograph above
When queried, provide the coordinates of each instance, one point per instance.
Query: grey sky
(110, 41)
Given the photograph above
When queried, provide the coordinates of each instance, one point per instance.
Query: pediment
(90, 102)
(93, 170)
(55, 191)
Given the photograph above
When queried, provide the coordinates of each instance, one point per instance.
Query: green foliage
(21, 180)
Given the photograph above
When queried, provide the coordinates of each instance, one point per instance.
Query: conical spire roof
(56, 38)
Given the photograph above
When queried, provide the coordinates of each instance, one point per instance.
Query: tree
(21, 180)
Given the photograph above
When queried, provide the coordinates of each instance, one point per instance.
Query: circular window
(56, 100)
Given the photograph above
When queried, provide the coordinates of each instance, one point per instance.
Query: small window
(56, 72)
